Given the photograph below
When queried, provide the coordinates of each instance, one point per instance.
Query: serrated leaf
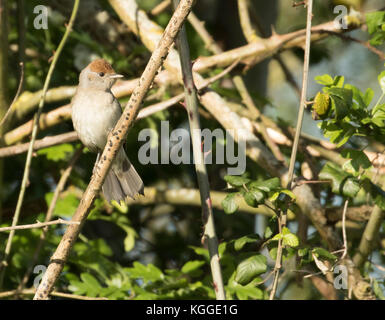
(358, 159)
(147, 273)
(254, 197)
(266, 185)
(325, 80)
(374, 20)
(342, 183)
(237, 181)
(290, 240)
(248, 269)
(323, 253)
(90, 280)
(340, 108)
(344, 94)
(229, 204)
(248, 292)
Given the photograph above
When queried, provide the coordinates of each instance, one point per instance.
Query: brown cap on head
(101, 65)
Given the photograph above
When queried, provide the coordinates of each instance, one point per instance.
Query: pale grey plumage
(95, 111)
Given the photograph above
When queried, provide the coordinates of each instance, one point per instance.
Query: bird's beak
(115, 76)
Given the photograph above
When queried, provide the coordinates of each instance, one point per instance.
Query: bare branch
(38, 225)
(161, 7)
(46, 142)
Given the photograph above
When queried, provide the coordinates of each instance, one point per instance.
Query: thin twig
(32, 291)
(19, 89)
(114, 143)
(209, 238)
(160, 7)
(366, 44)
(278, 261)
(37, 225)
(46, 142)
(244, 17)
(34, 134)
(282, 221)
(344, 229)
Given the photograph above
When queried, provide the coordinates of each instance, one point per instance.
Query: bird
(95, 112)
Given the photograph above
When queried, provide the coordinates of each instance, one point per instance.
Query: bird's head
(99, 75)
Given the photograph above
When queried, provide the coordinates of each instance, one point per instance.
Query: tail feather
(122, 180)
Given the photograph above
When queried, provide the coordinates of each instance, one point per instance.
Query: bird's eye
(101, 74)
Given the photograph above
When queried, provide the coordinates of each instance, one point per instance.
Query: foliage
(153, 250)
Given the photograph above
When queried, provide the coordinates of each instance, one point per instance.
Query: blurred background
(164, 234)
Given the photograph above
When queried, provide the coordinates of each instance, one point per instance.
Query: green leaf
(340, 108)
(377, 290)
(229, 204)
(358, 159)
(91, 283)
(343, 93)
(323, 253)
(338, 133)
(303, 252)
(342, 183)
(266, 185)
(290, 240)
(254, 197)
(237, 181)
(339, 81)
(381, 80)
(374, 20)
(248, 292)
(240, 243)
(191, 266)
(129, 240)
(64, 207)
(379, 196)
(321, 104)
(325, 80)
(248, 269)
(368, 96)
(56, 153)
(147, 273)
(378, 115)
(201, 252)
